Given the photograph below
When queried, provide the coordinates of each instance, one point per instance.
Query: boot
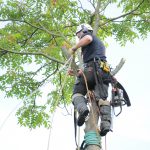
(80, 104)
(105, 127)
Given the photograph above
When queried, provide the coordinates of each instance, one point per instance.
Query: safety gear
(105, 112)
(117, 98)
(84, 27)
(125, 95)
(80, 104)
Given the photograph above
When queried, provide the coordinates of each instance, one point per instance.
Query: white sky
(131, 128)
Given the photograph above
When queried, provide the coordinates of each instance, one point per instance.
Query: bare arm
(83, 42)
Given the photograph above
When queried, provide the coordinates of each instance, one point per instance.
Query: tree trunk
(92, 124)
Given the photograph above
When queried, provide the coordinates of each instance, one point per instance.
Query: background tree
(31, 44)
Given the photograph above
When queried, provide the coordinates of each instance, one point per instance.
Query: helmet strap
(84, 29)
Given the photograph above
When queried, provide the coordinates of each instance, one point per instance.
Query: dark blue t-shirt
(95, 49)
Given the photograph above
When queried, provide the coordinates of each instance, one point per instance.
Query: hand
(72, 50)
(70, 72)
(80, 72)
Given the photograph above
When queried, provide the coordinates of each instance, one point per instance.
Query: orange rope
(88, 92)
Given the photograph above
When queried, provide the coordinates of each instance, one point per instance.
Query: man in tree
(93, 54)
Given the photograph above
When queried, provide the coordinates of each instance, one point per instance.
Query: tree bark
(92, 123)
(97, 17)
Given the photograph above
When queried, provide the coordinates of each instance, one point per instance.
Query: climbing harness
(98, 76)
(86, 141)
(119, 95)
(119, 98)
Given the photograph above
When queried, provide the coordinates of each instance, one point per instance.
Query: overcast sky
(130, 129)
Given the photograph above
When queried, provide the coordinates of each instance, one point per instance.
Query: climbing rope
(105, 143)
(5, 120)
(50, 130)
(88, 92)
(78, 139)
(91, 137)
(69, 61)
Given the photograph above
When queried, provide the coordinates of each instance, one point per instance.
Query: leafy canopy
(33, 34)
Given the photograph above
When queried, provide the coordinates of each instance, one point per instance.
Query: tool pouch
(104, 66)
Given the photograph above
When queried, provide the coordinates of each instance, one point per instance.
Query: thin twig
(124, 15)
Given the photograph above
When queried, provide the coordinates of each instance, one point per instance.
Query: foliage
(31, 43)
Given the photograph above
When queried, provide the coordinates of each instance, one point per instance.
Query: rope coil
(91, 138)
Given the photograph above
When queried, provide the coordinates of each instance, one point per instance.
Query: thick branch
(32, 53)
(118, 67)
(73, 64)
(97, 15)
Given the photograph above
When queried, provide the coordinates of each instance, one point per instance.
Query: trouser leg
(105, 113)
(79, 91)
(101, 94)
(101, 91)
(80, 104)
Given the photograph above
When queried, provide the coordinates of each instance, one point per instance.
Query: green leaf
(36, 31)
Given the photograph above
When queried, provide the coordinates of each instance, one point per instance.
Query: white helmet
(84, 27)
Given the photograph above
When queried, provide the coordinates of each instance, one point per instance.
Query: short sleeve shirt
(95, 49)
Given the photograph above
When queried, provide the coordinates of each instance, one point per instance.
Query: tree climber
(93, 54)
